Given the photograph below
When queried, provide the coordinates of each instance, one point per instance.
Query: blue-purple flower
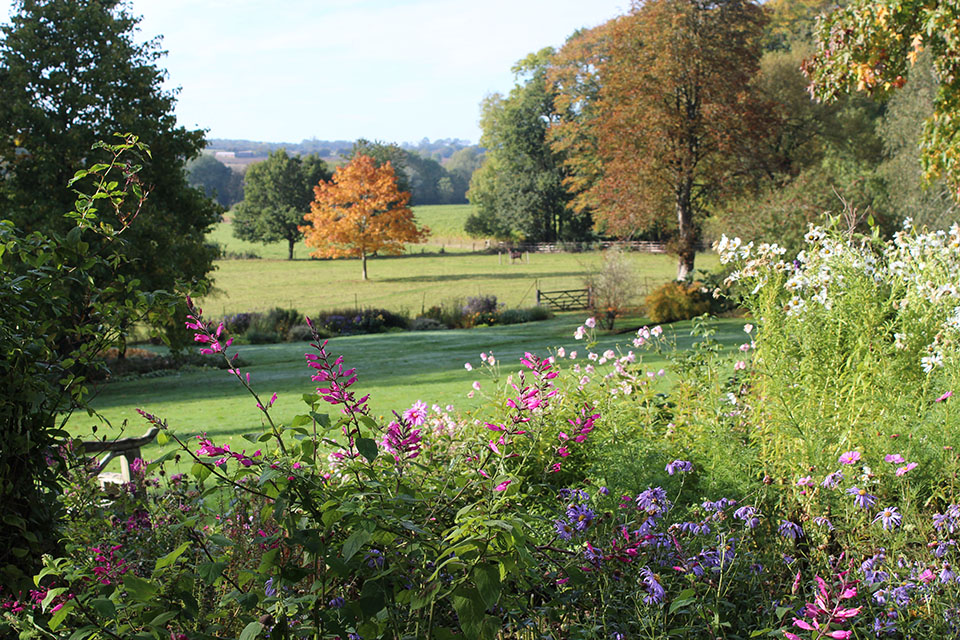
(789, 529)
(749, 515)
(890, 518)
(832, 480)
(863, 499)
(679, 465)
(580, 516)
(654, 501)
(651, 584)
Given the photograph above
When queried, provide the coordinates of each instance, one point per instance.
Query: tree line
(440, 176)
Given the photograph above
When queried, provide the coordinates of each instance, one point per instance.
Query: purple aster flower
(850, 457)
(593, 555)
(863, 499)
(654, 501)
(749, 515)
(603, 491)
(890, 518)
(832, 480)
(946, 574)
(336, 603)
(679, 465)
(719, 505)
(580, 516)
(564, 529)
(789, 529)
(651, 584)
(823, 522)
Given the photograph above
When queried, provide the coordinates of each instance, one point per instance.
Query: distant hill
(245, 150)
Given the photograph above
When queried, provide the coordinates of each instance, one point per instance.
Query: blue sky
(393, 70)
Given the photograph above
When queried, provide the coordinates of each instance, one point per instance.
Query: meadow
(412, 282)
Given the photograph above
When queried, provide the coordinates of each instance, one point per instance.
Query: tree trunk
(687, 240)
(291, 242)
(363, 261)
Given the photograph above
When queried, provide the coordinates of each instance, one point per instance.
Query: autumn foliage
(361, 212)
(661, 102)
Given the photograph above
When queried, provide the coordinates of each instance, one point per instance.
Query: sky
(391, 70)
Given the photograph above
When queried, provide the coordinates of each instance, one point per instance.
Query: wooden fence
(642, 246)
(565, 300)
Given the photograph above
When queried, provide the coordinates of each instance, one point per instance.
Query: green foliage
(856, 321)
(72, 73)
(216, 179)
(65, 300)
(677, 301)
(518, 191)
(277, 194)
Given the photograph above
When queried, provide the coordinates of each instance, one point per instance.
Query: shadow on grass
(527, 275)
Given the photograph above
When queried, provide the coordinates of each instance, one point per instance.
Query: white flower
(930, 362)
(579, 333)
(747, 328)
(468, 366)
(561, 353)
(591, 322)
(656, 331)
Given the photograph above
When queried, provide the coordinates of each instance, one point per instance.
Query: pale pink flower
(850, 457)
(905, 469)
(739, 365)
(590, 322)
(894, 458)
(468, 366)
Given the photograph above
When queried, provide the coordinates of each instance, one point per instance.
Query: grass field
(396, 369)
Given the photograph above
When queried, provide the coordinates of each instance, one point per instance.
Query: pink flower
(893, 458)
(905, 469)
(944, 396)
(590, 322)
(502, 486)
(468, 366)
(850, 457)
(476, 385)
(740, 365)
(805, 482)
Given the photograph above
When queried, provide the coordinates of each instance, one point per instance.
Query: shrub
(612, 287)
(426, 324)
(300, 333)
(676, 301)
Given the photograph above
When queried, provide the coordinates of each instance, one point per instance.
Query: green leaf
(57, 619)
(685, 597)
(104, 607)
(210, 571)
(487, 579)
(163, 618)
(251, 631)
(51, 594)
(171, 557)
(356, 540)
(368, 422)
(83, 632)
(367, 448)
(138, 588)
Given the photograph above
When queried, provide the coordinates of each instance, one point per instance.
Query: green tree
(870, 46)
(73, 72)
(519, 189)
(216, 180)
(382, 153)
(277, 194)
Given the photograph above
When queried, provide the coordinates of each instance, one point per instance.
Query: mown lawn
(396, 369)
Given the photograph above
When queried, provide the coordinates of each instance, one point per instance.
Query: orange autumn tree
(361, 212)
